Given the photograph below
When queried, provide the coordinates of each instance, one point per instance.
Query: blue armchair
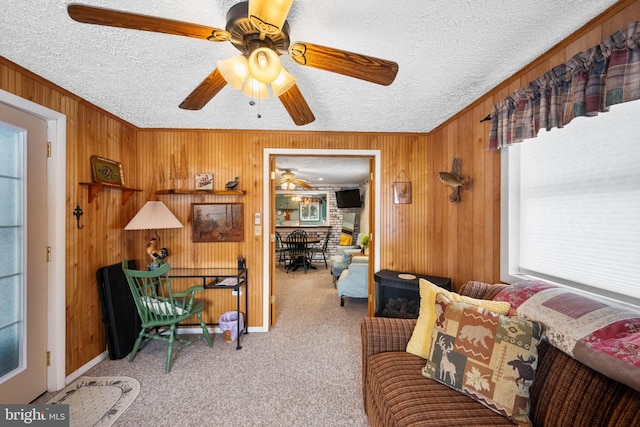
(341, 260)
(353, 282)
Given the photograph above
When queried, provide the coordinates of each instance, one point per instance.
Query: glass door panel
(12, 324)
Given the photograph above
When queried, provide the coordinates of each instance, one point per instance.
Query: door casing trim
(266, 209)
(56, 239)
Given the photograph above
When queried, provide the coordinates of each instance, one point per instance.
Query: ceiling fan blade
(297, 106)
(204, 92)
(269, 16)
(374, 70)
(301, 184)
(114, 18)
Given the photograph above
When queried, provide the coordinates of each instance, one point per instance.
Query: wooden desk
(221, 278)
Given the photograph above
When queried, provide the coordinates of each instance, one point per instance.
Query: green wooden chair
(161, 310)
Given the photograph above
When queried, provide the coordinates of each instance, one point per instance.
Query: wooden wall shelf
(204, 192)
(93, 188)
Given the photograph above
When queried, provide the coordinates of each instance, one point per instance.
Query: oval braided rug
(97, 401)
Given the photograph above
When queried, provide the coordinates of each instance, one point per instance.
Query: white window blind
(576, 205)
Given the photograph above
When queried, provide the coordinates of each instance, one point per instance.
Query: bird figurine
(232, 185)
(157, 255)
(454, 179)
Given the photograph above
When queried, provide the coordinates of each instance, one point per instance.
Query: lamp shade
(283, 82)
(268, 16)
(264, 64)
(153, 216)
(234, 70)
(255, 89)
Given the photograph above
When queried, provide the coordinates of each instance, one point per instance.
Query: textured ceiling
(449, 54)
(323, 171)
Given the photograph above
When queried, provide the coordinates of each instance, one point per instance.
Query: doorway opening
(269, 212)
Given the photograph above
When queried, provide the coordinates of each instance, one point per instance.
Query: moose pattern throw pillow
(490, 357)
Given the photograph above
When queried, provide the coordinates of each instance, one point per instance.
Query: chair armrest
(188, 291)
(359, 259)
(340, 249)
(186, 296)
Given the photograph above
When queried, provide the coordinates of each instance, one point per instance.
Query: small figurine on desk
(241, 263)
(157, 256)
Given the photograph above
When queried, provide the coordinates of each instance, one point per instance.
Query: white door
(23, 243)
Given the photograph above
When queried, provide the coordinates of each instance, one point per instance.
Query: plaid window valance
(587, 84)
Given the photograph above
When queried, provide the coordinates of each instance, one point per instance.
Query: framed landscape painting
(217, 222)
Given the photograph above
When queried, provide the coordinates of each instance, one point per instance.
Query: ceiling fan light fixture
(288, 186)
(264, 64)
(268, 16)
(234, 70)
(255, 89)
(283, 82)
(287, 176)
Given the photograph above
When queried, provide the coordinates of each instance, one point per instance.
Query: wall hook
(78, 213)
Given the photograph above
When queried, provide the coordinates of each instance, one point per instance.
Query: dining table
(310, 240)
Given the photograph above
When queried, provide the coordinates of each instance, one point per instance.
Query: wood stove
(398, 293)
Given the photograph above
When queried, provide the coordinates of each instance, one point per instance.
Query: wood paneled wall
(89, 131)
(431, 235)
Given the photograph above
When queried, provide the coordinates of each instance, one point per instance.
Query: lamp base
(157, 256)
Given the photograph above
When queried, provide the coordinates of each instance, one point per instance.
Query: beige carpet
(304, 372)
(97, 401)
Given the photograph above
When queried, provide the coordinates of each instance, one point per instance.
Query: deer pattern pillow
(490, 357)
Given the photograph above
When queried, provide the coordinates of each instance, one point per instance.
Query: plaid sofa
(565, 392)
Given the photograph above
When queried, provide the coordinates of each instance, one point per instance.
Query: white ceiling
(449, 54)
(324, 171)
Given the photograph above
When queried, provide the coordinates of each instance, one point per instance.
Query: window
(12, 285)
(572, 208)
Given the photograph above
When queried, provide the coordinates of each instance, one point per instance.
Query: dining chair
(322, 250)
(297, 250)
(281, 249)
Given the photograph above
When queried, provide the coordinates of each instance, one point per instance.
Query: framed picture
(204, 181)
(107, 171)
(217, 222)
(401, 193)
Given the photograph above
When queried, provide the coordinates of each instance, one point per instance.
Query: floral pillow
(490, 357)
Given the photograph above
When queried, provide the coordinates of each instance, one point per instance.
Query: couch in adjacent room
(557, 378)
(354, 281)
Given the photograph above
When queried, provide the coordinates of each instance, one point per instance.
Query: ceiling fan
(259, 30)
(289, 181)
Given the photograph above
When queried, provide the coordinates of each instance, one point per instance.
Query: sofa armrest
(382, 334)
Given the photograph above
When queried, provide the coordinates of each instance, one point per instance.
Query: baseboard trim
(84, 368)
